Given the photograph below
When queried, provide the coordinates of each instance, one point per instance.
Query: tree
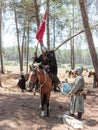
(17, 30)
(24, 12)
(1, 58)
(0, 83)
(89, 36)
(48, 32)
(72, 41)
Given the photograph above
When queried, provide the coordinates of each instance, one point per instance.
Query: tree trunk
(0, 83)
(37, 16)
(1, 58)
(27, 47)
(36, 12)
(89, 36)
(72, 42)
(20, 58)
(23, 46)
(72, 54)
(48, 34)
(54, 32)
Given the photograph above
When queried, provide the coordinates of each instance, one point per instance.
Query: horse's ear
(40, 66)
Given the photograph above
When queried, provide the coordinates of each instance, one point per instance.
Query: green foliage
(12, 63)
(60, 65)
(62, 56)
(90, 67)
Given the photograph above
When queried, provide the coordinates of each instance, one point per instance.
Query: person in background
(21, 82)
(76, 94)
(48, 63)
(94, 80)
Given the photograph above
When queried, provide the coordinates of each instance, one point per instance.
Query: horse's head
(33, 76)
(36, 74)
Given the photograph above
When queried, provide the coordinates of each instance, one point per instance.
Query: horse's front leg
(42, 108)
(34, 90)
(47, 103)
(40, 105)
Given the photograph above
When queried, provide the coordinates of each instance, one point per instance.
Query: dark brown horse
(91, 73)
(71, 73)
(95, 81)
(45, 86)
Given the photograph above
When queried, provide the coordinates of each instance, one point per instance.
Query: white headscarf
(44, 49)
(79, 70)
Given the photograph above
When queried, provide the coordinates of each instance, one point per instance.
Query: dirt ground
(20, 111)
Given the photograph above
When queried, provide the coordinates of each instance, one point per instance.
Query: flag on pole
(41, 29)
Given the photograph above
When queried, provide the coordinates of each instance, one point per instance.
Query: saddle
(47, 69)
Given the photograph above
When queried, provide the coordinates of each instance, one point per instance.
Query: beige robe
(77, 100)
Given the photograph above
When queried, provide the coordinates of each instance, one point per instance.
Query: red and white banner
(41, 29)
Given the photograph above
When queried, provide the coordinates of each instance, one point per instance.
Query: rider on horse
(49, 64)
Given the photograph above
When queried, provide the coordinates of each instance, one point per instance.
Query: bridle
(33, 83)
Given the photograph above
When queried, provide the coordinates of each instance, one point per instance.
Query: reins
(42, 84)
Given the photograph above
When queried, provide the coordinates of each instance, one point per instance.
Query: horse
(91, 73)
(85, 69)
(45, 86)
(95, 81)
(71, 73)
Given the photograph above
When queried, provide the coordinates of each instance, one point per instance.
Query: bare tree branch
(72, 37)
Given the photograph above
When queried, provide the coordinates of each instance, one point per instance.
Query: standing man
(95, 84)
(77, 96)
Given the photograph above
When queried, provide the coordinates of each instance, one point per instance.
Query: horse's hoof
(34, 94)
(40, 106)
(47, 115)
(42, 114)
